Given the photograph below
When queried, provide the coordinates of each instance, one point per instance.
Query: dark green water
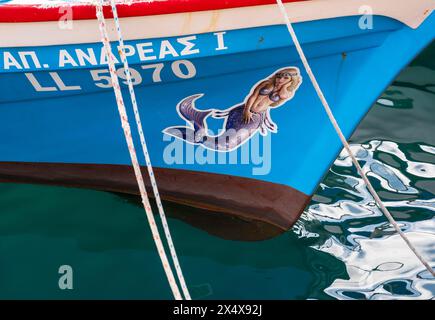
(342, 247)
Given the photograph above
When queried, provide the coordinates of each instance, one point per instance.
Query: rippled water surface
(341, 248)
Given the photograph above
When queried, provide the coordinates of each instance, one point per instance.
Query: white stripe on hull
(410, 12)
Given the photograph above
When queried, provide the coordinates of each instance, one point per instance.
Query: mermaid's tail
(220, 114)
(187, 110)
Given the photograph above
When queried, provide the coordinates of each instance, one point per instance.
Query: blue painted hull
(74, 125)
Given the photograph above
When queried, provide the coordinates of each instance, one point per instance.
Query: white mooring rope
(147, 157)
(127, 133)
(343, 139)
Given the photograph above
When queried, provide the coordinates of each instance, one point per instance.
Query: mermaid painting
(242, 121)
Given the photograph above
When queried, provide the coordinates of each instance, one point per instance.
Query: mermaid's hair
(296, 81)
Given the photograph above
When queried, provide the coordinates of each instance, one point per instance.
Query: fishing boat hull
(59, 122)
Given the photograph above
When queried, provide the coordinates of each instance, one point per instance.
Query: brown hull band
(266, 205)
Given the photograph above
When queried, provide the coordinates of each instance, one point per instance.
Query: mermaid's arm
(251, 101)
(285, 91)
(288, 90)
(247, 115)
(254, 96)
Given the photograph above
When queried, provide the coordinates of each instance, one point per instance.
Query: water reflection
(395, 145)
(378, 263)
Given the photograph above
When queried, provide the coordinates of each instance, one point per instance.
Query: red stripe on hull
(36, 13)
